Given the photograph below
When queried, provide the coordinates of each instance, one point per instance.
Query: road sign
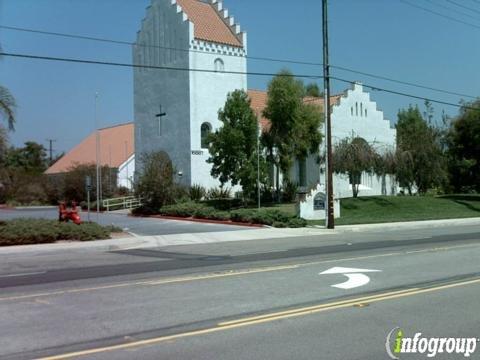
(356, 278)
(88, 183)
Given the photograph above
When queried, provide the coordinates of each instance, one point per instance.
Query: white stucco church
(175, 109)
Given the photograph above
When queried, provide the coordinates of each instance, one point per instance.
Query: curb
(206, 221)
(28, 207)
(408, 224)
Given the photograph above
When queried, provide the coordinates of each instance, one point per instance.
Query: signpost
(88, 187)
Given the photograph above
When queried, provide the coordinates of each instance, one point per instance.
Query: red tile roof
(208, 24)
(258, 102)
(116, 146)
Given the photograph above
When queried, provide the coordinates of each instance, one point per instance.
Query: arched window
(356, 108)
(366, 113)
(361, 109)
(351, 110)
(219, 65)
(319, 202)
(205, 130)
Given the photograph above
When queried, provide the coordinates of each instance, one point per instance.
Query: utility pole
(326, 78)
(50, 149)
(97, 156)
(258, 159)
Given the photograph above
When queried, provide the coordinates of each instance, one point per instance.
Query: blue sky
(385, 37)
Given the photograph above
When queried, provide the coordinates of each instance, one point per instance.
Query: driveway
(137, 226)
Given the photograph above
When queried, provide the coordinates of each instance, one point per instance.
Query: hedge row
(271, 217)
(39, 231)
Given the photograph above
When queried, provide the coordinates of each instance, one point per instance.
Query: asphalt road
(250, 300)
(138, 226)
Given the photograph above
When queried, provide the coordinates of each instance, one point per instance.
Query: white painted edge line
(23, 274)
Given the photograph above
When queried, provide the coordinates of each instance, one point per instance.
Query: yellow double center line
(269, 317)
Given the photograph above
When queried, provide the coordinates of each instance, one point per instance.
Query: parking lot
(137, 226)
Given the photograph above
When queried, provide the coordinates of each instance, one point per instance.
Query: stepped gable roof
(258, 102)
(116, 147)
(208, 22)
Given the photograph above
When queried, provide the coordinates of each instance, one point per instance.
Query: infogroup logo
(397, 343)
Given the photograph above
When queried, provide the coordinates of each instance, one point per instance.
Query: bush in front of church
(270, 217)
(155, 185)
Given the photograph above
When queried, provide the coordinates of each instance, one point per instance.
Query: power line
(404, 82)
(463, 6)
(435, 3)
(372, 87)
(248, 57)
(94, 62)
(123, 42)
(440, 14)
(138, 66)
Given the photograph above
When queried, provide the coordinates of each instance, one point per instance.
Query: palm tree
(7, 105)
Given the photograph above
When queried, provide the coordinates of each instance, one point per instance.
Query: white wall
(372, 126)
(208, 93)
(307, 210)
(126, 172)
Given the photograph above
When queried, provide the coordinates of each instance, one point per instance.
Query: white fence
(127, 202)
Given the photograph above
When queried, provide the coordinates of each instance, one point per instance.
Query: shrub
(242, 215)
(289, 191)
(181, 210)
(155, 184)
(211, 213)
(74, 182)
(144, 210)
(39, 231)
(225, 204)
(296, 222)
(197, 192)
(271, 217)
(122, 191)
(219, 193)
(181, 194)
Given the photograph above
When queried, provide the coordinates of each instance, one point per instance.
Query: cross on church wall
(159, 117)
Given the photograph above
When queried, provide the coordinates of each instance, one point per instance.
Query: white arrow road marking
(354, 280)
(355, 276)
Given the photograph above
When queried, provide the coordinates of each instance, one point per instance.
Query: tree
(155, 185)
(386, 163)
(7, 105)
(313, 89)
(463, 140)
(31, 158)
(419, 153)
(3, 146)
(233, 147)
(72, 183)
(354, 156)
(295, 126)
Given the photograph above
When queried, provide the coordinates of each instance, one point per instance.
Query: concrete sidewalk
(229, 236)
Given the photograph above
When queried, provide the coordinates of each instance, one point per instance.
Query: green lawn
(286, 208)
(378, 209)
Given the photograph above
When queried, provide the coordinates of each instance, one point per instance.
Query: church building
(203, 50)
(176, 109)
